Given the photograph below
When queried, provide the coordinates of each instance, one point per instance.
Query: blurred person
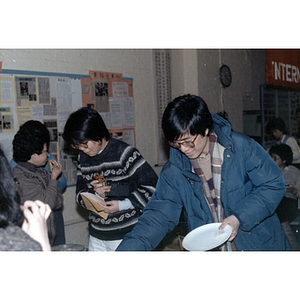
(22, 228)
(116, 161)
(30, 151)
(298, 125)
(214, 175)
(277, 128)
(288, 208)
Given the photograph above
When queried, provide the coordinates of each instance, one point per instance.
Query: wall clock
(225, 76)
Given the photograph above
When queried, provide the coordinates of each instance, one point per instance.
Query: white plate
(206, 237)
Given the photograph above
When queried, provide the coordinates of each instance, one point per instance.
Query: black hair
(10, 211)
(83, 125)
(274, 124)
(284, 152)
(30, 139)
(186, 114)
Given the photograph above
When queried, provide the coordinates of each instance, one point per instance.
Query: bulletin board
(112, 96)
(51, 97)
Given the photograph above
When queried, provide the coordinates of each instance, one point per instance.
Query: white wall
(196, 71)
(248, 72)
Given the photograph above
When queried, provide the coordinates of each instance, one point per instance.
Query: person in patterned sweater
(100, 154)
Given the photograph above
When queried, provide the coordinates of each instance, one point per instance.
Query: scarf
(211, 164)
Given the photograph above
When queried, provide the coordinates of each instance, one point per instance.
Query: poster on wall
(112, 96)
(45, 97)
(25, 91)
(6, 119)
(7, 113)
(6, 90)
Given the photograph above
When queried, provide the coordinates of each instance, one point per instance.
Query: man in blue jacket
(214, 175)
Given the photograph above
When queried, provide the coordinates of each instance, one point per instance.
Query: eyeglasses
(80, 145)
(190, 144)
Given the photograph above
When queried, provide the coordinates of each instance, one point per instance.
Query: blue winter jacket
(252, 186)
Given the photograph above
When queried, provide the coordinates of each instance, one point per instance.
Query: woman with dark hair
(31, 217)
(120, 165)
(30, 151)
(214, 175)
(288, 207)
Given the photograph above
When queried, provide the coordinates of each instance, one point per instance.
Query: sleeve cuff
(125, 204)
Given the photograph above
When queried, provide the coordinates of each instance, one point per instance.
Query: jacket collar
(223, 131)
(29, 166)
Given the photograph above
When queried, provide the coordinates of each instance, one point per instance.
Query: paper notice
(94, 203)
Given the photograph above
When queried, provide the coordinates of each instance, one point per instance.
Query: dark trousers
(296, 165)
(60, 228)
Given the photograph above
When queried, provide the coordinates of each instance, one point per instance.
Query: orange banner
(283, 67)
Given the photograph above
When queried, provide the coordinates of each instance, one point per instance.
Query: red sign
(283, 68)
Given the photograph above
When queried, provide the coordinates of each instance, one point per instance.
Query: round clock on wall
(225, 76)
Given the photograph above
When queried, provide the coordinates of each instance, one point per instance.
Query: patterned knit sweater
(119, 162)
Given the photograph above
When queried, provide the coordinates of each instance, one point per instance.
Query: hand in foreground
(56, 171)
(112, 207)
(36, 214)
(100, 188)
(234, 223)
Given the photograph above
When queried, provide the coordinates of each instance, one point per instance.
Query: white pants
(100, 245)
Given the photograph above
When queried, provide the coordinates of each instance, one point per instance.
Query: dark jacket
(13, 238)
(252, 186)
